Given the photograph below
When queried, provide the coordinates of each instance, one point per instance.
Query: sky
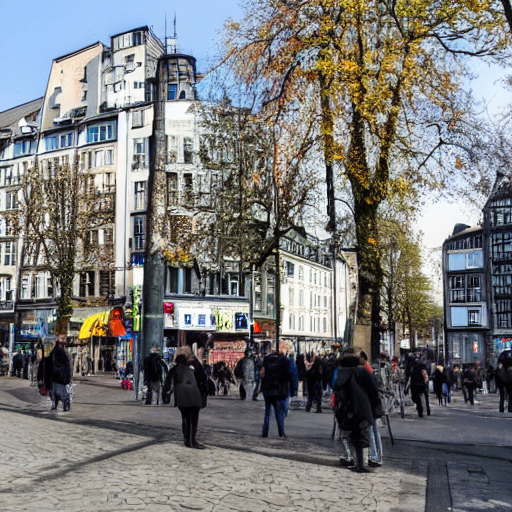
(33, 32)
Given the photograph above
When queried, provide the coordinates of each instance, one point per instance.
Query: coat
(58, 367)
(186, 390)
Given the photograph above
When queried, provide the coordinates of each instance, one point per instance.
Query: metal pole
(251, 308)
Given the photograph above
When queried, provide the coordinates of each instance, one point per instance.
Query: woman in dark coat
(187, 395)
(58, 376)
(439, 380)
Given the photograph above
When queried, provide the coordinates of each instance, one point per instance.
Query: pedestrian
(504, 379)
(244, 372)
(469, 383)
(294, 382)
(417, 383)
(314, 371)
(17, 364)
(153, 370)
(257, 379)
(301, 369)
(187, 377)
(58, 376)
(275, 386)
(364, 361)
(357, 406)
(440, 385)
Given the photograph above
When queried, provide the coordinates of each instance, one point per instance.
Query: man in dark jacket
(58, 376)
(314, 376)
(275, 386)
(357, 405)
(153, 368)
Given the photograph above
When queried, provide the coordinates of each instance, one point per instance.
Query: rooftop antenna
(171, 43)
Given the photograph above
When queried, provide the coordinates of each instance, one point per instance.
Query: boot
(359, 461)
(66, 405)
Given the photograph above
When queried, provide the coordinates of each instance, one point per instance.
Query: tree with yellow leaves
(386, 78)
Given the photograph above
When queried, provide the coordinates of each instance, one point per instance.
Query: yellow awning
(95, 325)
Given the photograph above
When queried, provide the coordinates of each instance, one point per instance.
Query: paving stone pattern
(54, 465)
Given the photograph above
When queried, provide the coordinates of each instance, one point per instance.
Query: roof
(10, 118)
(465, 232)
(145, 28)
(76, 52)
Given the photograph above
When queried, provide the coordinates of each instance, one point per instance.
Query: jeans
(279, 409)
(153, 387)
(375, 443)
(189, 421)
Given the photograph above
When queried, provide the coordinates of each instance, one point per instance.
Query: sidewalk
(72, 465)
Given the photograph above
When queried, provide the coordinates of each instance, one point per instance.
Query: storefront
(464, 347)
(101, 343)
(210, 329)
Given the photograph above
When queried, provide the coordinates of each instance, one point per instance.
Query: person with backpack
(357, 405)
(276, 385)
(418, 384)
(244, 372)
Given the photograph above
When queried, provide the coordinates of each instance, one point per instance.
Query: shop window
(241, 321)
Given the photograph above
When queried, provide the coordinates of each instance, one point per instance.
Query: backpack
(275, 381)
(352, 406)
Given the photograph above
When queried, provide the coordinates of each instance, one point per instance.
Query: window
(108, 236)
(310, 276)
(138, 233)
(66, 140)
(291, 297)
(109, 157)
(456, 287)
(188, 198)
(172, 149)
(474, 294)
(172, 90)
(137, 118)
(10, 254)
(11, 200)
(101, 132)
(201, 319)
(301, 323)
(325, 301)
(291, 323)
(314, 277)
(52, 143)
(99, 158)
(137, 259)
(187, 280)
(92, 134)
(140, 195)
(183, 95)
(172, 189)
(139, 154)
(325, 279)
(503, 316)
(241, 321)
(187, 319)
(138, 85)
(172, 280)
(21, 148)
(94, 237)
(188, 150)
(8, 176)
(301, 272)
(25, 287)
(107, 283)
(310, 300)
(301, 298)
(475, 259)
(86, 284)
(474, 317)
(290, 269)
(325, 324)
(459, 316)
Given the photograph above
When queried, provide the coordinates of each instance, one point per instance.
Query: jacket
(58, 366)
(186, 390)
(276, 377)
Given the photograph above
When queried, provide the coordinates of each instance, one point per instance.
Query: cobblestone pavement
(54, 462)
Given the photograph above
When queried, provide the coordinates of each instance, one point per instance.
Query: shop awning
(106, 323)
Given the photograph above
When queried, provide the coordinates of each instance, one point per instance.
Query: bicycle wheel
(388, 424)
